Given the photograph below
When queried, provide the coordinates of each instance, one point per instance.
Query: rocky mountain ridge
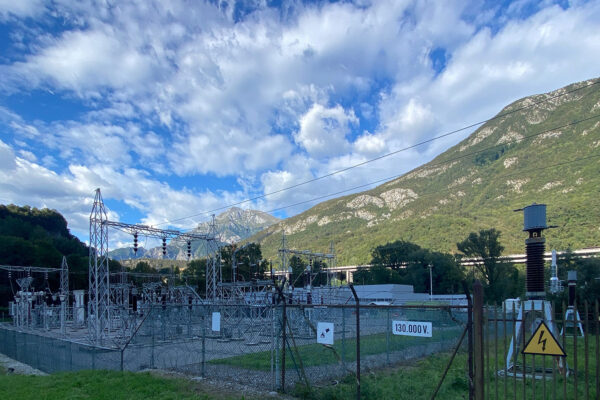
(544, 148)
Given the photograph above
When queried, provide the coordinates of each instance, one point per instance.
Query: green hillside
(39, 237)
(544, 148)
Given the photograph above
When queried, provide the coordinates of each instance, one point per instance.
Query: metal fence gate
(511, 362)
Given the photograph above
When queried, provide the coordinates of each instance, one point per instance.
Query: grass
(415, 380)
(418, 380)
(108, 385)
(317, 354)
(506, 387)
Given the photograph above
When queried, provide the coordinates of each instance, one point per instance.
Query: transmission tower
(213, 263)
(99, 288)
(64, 277)
(284, 254)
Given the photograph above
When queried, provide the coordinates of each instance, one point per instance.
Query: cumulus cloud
(87, 60)
(323, 130)
(369, 144)
(269, 98)
(21, 8)
(71, 192)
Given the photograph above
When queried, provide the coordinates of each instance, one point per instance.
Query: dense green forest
(40, 238)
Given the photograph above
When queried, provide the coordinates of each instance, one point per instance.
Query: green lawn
(414, 381)
(418, 381)
(317, 354)
(108, 385)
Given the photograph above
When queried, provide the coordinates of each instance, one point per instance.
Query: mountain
(544, 153)
(233, 225)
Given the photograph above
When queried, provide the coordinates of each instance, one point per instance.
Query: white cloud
(323, 130)
(84, 61)
(7, 157)
(72, 192)
(369, 144)
(174, 88)
(21, 8)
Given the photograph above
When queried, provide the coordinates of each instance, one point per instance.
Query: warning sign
(325, 333)
(543, 342)
(216, 321)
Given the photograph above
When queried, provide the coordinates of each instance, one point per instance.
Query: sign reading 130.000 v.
(412, 328)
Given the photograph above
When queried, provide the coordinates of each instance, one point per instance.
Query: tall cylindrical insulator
(534, 247)
(572, 277)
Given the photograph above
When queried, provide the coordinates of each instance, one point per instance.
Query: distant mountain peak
(233, 225)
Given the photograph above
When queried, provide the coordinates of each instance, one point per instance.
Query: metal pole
(203, 346)
(430, 266)
(283, 331)
(478, 336)
(357, 340)
(469, 337)
(387, 337)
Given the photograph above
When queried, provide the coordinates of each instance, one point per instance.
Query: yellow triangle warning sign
(543, 342)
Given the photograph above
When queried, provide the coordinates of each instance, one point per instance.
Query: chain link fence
(250, 345)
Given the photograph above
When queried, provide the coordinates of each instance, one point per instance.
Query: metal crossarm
(150, 231)
(18, 268)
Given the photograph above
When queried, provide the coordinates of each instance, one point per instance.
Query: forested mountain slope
(543, 148)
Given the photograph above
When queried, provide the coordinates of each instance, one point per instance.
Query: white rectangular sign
(412, 328)
(325, 333)
(216, 321)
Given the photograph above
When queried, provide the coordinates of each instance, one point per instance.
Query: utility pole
(430, 266)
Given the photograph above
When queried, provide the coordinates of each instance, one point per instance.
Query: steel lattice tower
(64, 277)
(99, 287)
(213, 263)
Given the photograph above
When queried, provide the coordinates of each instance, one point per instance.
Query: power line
(428, 193)
(385, 155)
(448, 161)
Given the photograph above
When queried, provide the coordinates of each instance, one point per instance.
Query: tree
(406, 263)
(195, 275)
(144, 267)
(500, 278)
(377, 274)
(298, 266)
(248, 259)
(393, 255)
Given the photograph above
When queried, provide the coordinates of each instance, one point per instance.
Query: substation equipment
(535, 309)
(572, 325)
(117, 302)
(38, 309)
(109, 310)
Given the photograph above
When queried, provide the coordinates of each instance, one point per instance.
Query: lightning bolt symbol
(543, 342)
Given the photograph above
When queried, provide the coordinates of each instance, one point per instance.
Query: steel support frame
(213, 264)
(99, 282)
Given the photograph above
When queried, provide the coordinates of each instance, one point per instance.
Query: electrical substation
(241, 329)
(137, 311)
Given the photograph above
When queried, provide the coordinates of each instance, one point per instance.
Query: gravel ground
(15, 367)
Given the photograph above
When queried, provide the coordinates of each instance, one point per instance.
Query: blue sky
(178, 108)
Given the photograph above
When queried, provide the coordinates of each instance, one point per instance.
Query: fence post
(344, 338)
(357, 340)
(283, 331)
(469, 337)
(478, 339)
(203, 366)
(387, 337)
(152, 346)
